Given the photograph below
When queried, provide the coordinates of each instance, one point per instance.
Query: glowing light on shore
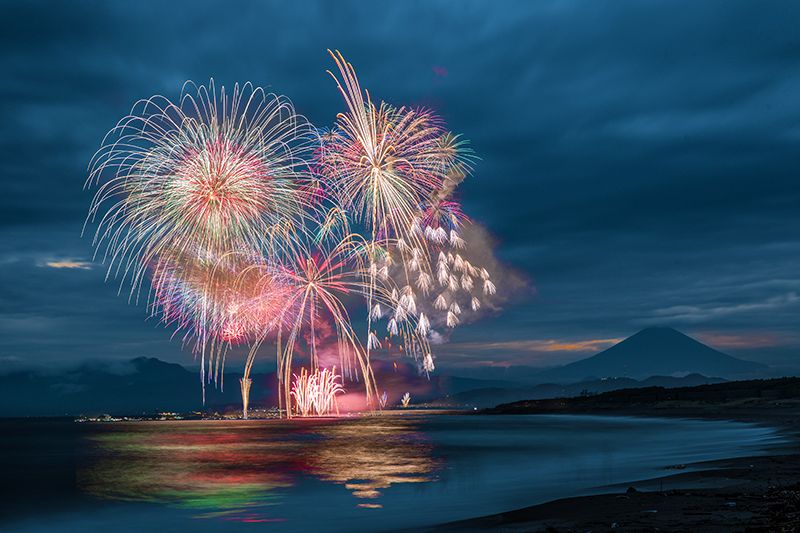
(314, 393)
(405, 401)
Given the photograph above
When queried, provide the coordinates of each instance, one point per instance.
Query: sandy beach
(746, 494)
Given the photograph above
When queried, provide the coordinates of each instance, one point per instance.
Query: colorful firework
(217, 302)
(318, 278)
(214, 173)
(256, 231)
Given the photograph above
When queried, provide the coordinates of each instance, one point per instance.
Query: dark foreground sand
(744, 494)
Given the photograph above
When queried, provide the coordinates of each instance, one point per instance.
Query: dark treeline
(733, 393)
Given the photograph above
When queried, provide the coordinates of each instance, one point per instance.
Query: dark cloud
(638, 158)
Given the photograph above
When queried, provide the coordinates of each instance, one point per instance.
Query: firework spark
(405, 401)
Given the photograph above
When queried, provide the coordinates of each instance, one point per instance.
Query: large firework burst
(214, 173)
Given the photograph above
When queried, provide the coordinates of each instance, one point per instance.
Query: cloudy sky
(639, 160)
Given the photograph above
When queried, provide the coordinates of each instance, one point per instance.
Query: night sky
(639, 160)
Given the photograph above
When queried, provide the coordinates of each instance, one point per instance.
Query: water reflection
(368, 457)
(319, 475)
(242, 470)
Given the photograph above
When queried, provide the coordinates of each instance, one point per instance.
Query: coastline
(753, 494)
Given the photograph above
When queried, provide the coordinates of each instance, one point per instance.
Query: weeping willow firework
(253, 228)
(218, 303)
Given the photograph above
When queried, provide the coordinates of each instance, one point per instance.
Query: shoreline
(754, 493)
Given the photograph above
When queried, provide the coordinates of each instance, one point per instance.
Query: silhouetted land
(760, 400)
(750, 494)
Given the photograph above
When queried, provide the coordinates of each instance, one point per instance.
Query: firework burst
(318, 278)
(215, 173)
(395, 170)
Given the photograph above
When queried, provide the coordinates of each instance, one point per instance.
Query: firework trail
(384, 399)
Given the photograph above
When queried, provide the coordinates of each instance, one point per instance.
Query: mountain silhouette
(141, 385)
(655, 351)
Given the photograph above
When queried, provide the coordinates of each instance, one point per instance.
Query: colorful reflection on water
(239, 470)
(406, 472)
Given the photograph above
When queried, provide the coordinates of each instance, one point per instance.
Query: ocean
(379, 473)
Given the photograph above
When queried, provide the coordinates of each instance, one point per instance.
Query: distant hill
(490, 396)
(655, 351)
(719, 400)
(143, 385)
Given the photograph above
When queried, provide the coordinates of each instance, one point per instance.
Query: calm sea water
(367, 474)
